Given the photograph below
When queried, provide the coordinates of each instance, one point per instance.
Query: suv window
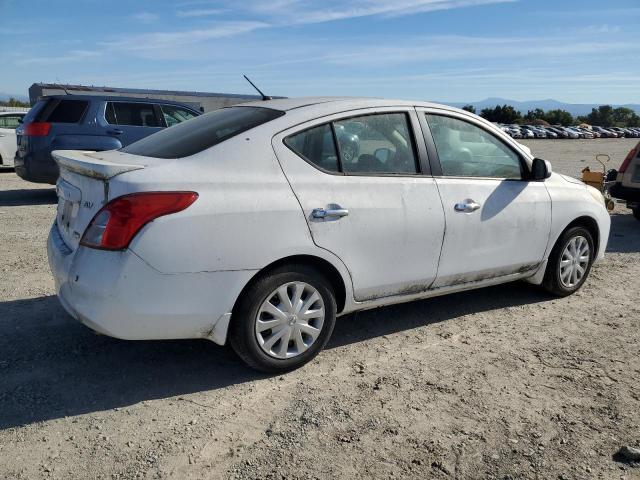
(10, 121)
(202, 132)
(466, 150)
(66, 111)
(131, 114)
(317, 146)
(174, 115)
(380, 143)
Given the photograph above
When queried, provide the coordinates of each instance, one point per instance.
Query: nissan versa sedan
(259, 224)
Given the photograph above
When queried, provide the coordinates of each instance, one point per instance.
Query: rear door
(498, 222)
(366, 192)
(131, 121)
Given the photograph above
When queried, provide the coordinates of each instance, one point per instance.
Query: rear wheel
(570, 262)
(284, 319)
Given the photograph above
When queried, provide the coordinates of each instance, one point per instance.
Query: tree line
(603, 116)
(12, 102)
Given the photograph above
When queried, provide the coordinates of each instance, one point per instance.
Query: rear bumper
(625, 193)
(37, 167)
(120, 295)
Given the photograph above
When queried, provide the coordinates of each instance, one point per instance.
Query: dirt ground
(504, 382)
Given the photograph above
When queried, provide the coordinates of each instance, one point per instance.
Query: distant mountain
(550, 104)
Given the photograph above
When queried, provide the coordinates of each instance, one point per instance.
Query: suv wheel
(570, 262)
(284, 319)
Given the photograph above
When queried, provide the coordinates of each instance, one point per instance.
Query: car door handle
(329, 213)
(467, 206)
(2, 135)
(115, 131)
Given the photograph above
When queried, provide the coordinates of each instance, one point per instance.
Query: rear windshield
(200, 133)
(63, 111)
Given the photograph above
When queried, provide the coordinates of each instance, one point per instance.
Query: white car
(259, 223)
(9, 121)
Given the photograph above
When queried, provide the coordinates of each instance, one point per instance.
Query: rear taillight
(632, 154)
(37, 129)
(115, 225)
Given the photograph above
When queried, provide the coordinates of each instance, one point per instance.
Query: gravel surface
(504, 382)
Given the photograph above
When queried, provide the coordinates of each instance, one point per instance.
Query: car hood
(571, 179)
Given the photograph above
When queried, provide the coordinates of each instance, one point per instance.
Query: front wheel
(284, 319)
(570, 262)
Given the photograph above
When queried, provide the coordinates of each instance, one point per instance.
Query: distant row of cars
(560, 132)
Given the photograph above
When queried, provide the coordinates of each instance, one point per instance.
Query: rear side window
(317, 146)
(131, 114)
(200, 133)
(66, 111)
(368, 145)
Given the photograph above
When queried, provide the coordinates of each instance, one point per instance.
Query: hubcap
(574, 261)
(290, 320)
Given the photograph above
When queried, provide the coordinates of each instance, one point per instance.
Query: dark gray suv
(87, 122)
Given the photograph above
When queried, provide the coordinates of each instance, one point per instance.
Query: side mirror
(540, 169)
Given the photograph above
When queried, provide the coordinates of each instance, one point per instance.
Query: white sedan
(9, 121)
(259, 224)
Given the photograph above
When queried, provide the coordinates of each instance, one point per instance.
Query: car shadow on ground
(52, 367)
(30, 196)
(625, 234)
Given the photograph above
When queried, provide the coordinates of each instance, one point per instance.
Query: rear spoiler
(81, 162)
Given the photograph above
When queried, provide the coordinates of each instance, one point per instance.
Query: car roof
(118, 98)
(346, 103)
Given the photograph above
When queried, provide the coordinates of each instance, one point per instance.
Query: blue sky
(448, 50)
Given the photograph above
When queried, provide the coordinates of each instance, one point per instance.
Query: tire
(555, 281)
(636, 213)
(252, 313)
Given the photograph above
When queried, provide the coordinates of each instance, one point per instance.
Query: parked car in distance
(9, 121)
(88, 122)
(550, 133)
(264, 230)
(604, 132)
(561, 133)
(627, 184)
(581, 133)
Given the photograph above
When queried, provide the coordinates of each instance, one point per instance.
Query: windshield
(198, 134)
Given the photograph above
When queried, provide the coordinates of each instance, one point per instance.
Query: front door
(362, 185)
(498, 222)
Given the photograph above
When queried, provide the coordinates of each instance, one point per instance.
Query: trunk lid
(83, 187)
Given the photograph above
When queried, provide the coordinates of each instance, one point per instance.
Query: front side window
(202, 132)
(466, 150)
(131, 114)
(174, 115)
(371, 144)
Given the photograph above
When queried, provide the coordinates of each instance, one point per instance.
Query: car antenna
(264, 97)
(63, 87)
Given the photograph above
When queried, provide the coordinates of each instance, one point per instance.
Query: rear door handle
(329, 213)
(115, 131)
(466, 206)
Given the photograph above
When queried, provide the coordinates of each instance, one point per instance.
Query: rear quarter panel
(245, 218)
